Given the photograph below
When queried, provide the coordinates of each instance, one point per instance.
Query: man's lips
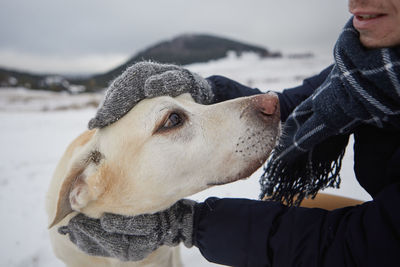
(364, 20)
(367, 16)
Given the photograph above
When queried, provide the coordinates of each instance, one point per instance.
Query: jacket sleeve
(226, 89)
(239, 232)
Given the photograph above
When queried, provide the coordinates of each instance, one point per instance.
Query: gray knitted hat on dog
(145, 80)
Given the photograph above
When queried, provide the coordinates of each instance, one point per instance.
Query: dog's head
(165, 149)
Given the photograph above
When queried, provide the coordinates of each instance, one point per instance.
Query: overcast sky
(73, 36)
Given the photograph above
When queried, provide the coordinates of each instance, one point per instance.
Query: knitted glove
(145, 80)
(132, 238)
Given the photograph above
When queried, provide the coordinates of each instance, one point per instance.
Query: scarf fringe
(291, 183)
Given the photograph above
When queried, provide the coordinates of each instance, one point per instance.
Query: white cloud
(66, 30)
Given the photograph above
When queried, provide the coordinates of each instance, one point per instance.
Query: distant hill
(19, 78)
(182, 50)
(51, 82)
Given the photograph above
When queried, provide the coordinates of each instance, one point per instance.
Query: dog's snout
(266, 104)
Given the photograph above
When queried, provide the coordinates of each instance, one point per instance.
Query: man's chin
(371, 42)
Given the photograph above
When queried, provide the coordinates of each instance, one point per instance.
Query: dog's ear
(79, 187)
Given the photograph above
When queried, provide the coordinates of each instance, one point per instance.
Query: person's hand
(132, 238)
(146, 80)
(224, 89)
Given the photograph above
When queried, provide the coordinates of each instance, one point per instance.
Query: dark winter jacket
(241, 232)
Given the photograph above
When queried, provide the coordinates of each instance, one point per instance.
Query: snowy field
(36, 127)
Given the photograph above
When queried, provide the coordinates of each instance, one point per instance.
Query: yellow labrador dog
(162, 150)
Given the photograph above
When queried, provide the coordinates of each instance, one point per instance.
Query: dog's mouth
(241, 175)
(247, 172)
(254, 148)
(223, 182)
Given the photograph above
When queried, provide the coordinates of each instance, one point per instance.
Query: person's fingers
(171, 83)
(123, 247)
(63, 230)
(141, 225)
(88, 235)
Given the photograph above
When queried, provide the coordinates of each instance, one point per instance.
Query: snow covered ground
(36, 127)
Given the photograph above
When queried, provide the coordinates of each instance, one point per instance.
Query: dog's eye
(173, 120)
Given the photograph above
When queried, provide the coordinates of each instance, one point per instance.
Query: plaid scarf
(362, 88)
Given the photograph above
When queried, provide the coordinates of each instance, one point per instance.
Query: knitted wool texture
(146, 80)
(362, 88)
(132, 238)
